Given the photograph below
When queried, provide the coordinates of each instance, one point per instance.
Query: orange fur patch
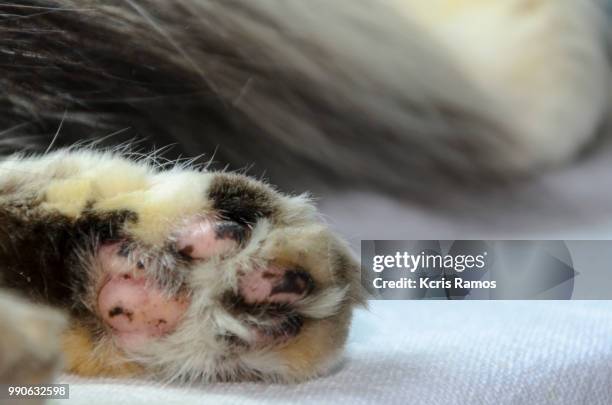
(317, 343)
(85, 358)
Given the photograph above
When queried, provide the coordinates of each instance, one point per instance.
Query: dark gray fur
(313, 92)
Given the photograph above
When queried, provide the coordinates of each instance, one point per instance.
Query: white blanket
(434, 352)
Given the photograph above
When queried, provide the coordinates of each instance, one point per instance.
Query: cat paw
(232, 268)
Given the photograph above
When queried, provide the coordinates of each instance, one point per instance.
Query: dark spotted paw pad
(275, 285)
(205, 238)
(265, 303)
(129, 303)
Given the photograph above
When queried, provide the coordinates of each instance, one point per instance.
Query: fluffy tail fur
(348, 92)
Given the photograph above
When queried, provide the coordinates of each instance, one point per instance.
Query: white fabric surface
(430, 352)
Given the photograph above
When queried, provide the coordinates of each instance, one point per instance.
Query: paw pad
(275, 285)
(132, 306)
(203, 238)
